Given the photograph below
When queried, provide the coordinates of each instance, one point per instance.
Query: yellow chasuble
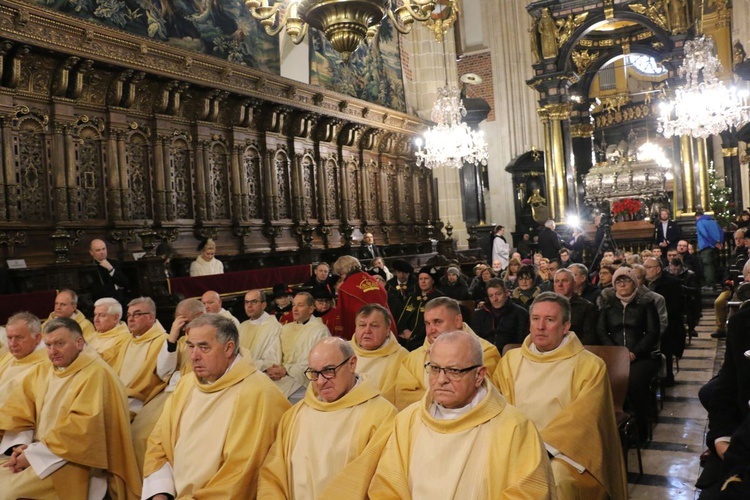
(296, 342)
(263, 342)
(491, 451)
(216, 436)
(3, 350)
(108, 343)
(412, 380)
(86, 326)
(574, 412)
(135, 363)
(12, 371)
(380, 366)
(305, 463)
(81, 414)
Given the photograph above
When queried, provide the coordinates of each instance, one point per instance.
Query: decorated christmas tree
(720, 198)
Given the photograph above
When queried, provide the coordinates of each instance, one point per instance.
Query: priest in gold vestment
(441, 314)
(462, 440)
(67, 426)
(328, 444)
(565, 391)
(261, 333)
(218, 425)
(66, 306)
(110, 333)
(297, 338)
(24, 333)
(379, 355)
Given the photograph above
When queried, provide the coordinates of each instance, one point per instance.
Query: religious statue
(678, 16)
(568, 25)
(539, 209)
(654, 10)
(534, 39)
(548, 32)
(536, 199)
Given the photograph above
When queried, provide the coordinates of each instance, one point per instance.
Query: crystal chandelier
(451, 142)
(703, 106)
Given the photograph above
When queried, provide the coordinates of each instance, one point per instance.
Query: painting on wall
(222, 28)
(372, 74)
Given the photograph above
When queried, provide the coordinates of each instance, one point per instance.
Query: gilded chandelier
(703, 106)
(345, 23)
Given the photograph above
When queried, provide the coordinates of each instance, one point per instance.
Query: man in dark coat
(549, 241)
(666, 232)
(583, 314)
(369, 250)
(405, 283)
(500, 320)
(109, 280)
(411, 328)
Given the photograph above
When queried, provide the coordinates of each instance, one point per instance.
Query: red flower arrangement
(626, 206)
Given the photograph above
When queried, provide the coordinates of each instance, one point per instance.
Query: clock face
(646, 65)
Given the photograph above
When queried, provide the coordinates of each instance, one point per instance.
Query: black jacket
(510, 324)
(366, 254)
(549, 243)
(583, 315)
(412, 318)
(458, 290)
(411, 286)
(106, 284)
(669, 287)
(635, 326)
(674, 234)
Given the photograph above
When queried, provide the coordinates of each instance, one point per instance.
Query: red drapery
(37, 303)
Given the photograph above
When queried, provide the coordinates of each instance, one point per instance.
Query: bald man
(306, 463)
(212, 301)
(25, 351)
(66, 306)
(109, 280)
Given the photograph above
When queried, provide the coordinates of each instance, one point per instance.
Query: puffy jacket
(636, 326)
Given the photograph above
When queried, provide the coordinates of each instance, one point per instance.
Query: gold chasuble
(87, 327)
(296, 342)
(380, 366)
(491, 451)
(567, 394)
(108, 343)
(328, 450)
(135, 363)
(263, 341)
(12, 371)
(216, 436)
(412, 380)
(81, 414)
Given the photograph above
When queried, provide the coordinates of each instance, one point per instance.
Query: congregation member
(564, 258)
(500, 321)
(510, 276)
(66, 306)
(219, 423)
(453, 285)
(321, 279)
(666, 231)
(688, 259)
(327, 312)
(379, 263)
(305, 462)
(411, 326)
(110, 333)
(395, 302)
(582, 286)
(297, 338)
(282, 303)
(84, 451)
(357, 289)
(405, 283)
(25, 351)
(214, 305)
(575, 399)
(174, 358)
(441, 315)
(261, 333)
(206, 263)
(492, 449)
(369, 250)
(691, 292)
(109, 279)
(379, 355)
(550, 242)
(710, 241)
(583, 313)
(478, 288)
(527, 289)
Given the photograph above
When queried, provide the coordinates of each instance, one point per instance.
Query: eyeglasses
(525, 278)
(450, 373)
(137, 314)
(326, 373)
(622, 281)
(252, 302)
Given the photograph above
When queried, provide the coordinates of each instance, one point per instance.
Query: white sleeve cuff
(161, 481)
(166, 362)
(558, 454)
(135, 405)
(723, 439)
(42, 460)
(12, 439)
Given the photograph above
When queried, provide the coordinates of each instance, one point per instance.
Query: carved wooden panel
(408, 209)
(137, 167)
(373, 181)
(218, 169)
(181, 180)
(281, 166)
(424, 186)
(90, 159)
(251, 166)
(309, 196)
(31, 160)
(391, 194)
(352, 176)
(332, 188)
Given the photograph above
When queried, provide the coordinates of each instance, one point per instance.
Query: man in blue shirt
(710, 241)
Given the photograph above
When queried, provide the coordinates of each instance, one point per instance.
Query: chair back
(467, 310)
(617, 359)
(508, 347)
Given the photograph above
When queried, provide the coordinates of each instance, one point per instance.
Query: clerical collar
(236, 359)
(304, 322)
(261, 319)
(438, 412)
(535, 350)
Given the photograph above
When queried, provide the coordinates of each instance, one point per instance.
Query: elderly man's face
(254, 307)
(21, 340)
(327, 358)
(63, 346)
(497, 266)
(497, 297)
(140, 319)
(212, 301)
(64, 306)
(653, 269)
(210, 358)
(301, 309)
(682, 246)
(321, 272)
(454, 393)
(440, 320)
(103, 321)
(564, 284)
(547, 326)
(371, 331)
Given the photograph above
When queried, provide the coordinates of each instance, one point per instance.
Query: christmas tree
(720, 198)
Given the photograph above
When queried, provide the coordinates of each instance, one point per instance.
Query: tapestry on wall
(372, 74)
(222, 28)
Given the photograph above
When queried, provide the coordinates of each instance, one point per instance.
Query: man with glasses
(136, 360)
(261, 333)
(307, 463)
(111, 333)
(297, 338)
(576, 400)
(462, 440)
